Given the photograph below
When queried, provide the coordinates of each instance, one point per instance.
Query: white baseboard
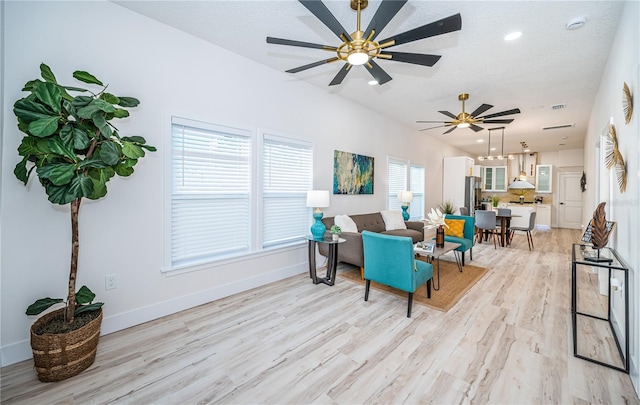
(21, 351)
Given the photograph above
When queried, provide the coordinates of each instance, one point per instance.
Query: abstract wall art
(352, 173)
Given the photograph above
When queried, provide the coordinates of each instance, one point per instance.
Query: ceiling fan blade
(475, 127)
(500, 114)
(385, 13)
(481, 109)
(341, 75)
(439, 126)
(452, 128)
(323, 14)
(415, 58)
(434, 122)
(448, 114)
(280, 41)
(378, 73)
(449, 24)
(311, 65)
(507, 121)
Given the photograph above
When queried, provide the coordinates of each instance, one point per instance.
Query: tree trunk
(75, 244)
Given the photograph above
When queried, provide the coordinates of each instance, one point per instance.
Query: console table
(332, 260)
(607, 259)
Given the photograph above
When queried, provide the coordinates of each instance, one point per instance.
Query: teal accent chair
(469, 231)
(390, 260)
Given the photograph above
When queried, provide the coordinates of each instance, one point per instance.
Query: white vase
(335, 237)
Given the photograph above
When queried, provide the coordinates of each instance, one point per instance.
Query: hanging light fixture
(501, 156)
(520, 184)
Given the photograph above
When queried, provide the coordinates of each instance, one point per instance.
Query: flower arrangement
(435, 218)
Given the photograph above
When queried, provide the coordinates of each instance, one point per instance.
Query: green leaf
(88, 110)
(29, 109)
(132, 150)
(28, 147)
(128, 102)
(61, 195)
(42, 304)
(149, 148)
(101, 123)
(31, 85)
(100, 177)
(93, 161)
(56, 146)
(86, 308)
(47, 74)
(58, 173)
(123, 170)
(21, 171)
(86, 77)
(109, 98)
(44, 126)
(84, 295)
(81, 101)
(50, 95)
(134, 139)
(104, 106)
(120, 113)
(110, 153)
(84, 184)
(75, 137)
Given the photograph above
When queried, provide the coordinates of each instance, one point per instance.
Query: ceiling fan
(469, 120)
(360, 47)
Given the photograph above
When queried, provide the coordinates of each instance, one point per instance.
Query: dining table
(505, 222)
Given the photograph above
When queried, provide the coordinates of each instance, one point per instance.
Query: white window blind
(397, 175)
(287, 175)
(210, 191)
(416, 178)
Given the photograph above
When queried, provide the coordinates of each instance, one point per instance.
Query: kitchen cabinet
(543, 215)
(543, 178)
(495, 178)
(455, 169)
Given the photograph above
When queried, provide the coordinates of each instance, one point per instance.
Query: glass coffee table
(436, 254)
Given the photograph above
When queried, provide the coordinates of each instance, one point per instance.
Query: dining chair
(502, 212)
(464, 211)
(390, 260)
(527, 230)
(486, 222)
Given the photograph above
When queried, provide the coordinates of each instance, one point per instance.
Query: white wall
(172, 73)
(623, 66)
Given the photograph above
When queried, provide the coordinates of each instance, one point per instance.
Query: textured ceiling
(548, 65)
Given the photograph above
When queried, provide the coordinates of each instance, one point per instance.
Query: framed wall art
(352, 173)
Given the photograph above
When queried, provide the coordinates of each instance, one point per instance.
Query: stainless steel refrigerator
(472, 194)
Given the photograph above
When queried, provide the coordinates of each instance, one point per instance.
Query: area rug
(453, 284)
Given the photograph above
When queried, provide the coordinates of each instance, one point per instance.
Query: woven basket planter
(60, 356)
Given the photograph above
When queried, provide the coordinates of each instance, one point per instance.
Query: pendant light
(499, 157)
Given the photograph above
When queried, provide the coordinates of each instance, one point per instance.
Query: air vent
(558, 106)
(557, 127)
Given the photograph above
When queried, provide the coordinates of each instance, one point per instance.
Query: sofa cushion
(345, 223)
(393, 220)
(416, 236)
(455, 227)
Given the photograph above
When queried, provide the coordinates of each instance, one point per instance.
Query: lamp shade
(405, 196)
(318, 198)
(521, 185)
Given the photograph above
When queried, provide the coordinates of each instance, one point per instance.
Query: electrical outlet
(110, 281)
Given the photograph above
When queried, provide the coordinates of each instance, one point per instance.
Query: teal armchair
(469, 231)
(390, 260)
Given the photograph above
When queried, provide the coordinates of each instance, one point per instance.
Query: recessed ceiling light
(563, 137)
(480, 140)
(576, 23)
(493, 148)
(372, 82)
(513, 35)
(526, 150)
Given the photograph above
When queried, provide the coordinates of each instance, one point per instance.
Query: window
(216, 185)
(286, 177)
(401, 174)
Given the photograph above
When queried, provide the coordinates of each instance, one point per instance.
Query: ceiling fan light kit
(360, 48)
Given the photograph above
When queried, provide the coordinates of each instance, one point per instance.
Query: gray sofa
(351, 251)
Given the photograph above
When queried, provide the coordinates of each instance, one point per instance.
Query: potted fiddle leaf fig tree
(74, 150)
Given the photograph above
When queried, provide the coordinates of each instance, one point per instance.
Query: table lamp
(318, 199)
(405, 197)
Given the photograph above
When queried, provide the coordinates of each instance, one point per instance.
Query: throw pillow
(393, 220)
(456, 227)
(345, 223)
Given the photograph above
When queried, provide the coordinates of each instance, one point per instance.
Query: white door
(570, 204)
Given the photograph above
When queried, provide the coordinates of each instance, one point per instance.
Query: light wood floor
(508, 341)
